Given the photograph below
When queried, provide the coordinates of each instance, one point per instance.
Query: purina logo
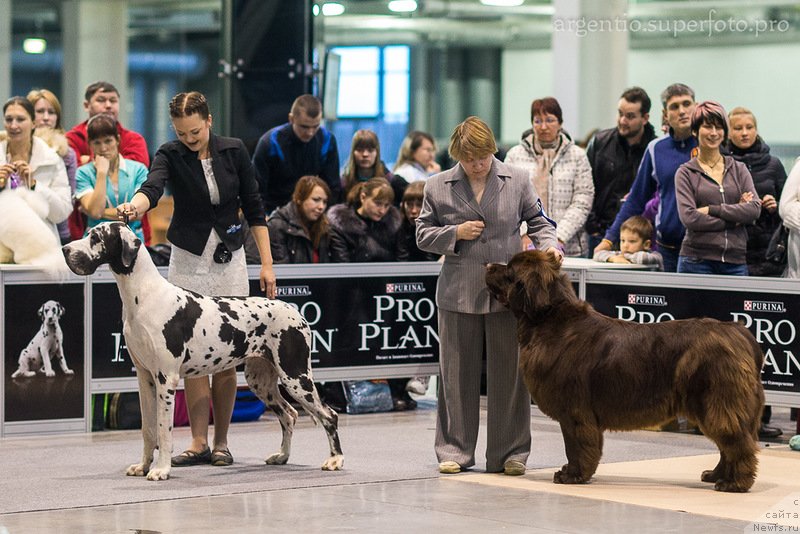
(293, 291)
(764, 306)
(647, 300)
(406, 287)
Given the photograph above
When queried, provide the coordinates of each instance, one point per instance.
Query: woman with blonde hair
(364, 161)
(471, 215)
(47, 120)
(746, 145)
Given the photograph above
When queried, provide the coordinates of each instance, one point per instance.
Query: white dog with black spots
(171, 333)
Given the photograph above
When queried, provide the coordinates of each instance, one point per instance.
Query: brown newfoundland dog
(591, 373)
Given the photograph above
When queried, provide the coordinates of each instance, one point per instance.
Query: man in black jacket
(614, 155)
(301, 147)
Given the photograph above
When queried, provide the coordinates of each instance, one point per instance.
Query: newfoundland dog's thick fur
(591, 373)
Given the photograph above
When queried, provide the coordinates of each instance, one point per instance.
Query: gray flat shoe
(188, 458)
(221, 457)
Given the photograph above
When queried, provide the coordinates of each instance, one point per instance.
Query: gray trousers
(462, 337)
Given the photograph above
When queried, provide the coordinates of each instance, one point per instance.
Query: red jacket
(131, 144)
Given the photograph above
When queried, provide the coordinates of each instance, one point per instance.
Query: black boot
(766, 431)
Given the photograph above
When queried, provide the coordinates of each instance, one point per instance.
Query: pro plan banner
(354, 322)
(44, 357)
(771, 317)
(366, 321)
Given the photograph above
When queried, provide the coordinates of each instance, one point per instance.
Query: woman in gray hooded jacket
(716, 198)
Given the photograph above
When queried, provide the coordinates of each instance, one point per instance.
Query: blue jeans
(670, 256)
(692, 265)
(594, 240)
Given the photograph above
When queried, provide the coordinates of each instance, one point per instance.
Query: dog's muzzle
(78, 261)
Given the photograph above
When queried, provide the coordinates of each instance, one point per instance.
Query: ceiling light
(332, 9)
(403, 6)
(502, 3)
(34, 45)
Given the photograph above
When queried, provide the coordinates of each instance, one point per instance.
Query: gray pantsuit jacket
(470, 320)
(508, 200)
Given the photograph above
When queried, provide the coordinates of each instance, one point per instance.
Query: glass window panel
(358, 58)
(396, 58)
(395, 97)
(358, 95)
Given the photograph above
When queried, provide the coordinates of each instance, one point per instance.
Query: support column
(5, 50)
(483, 86)
(590, 61)
(95, 44)
(420, 116)
(452, 92)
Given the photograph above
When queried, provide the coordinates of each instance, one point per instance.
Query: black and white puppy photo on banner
(44, 355)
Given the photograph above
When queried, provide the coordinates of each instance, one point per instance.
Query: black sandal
(188, 458)
(221, 457)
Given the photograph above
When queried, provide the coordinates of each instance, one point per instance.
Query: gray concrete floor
(427, 504)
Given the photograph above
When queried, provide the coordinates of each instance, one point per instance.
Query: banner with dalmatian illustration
(44, 352)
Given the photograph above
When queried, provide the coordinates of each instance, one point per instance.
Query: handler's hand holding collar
(556, 253)
(130, 211)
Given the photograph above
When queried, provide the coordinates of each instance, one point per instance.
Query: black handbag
(778, 245)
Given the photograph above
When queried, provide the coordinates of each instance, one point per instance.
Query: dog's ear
(60, 309)
(518, 299)
(533, 276)
(130, 248)
(40, 313)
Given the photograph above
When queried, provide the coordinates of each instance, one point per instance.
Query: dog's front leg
(45, 354)
(147, 404)
(62, 361)
(165, 386)
(583, 442)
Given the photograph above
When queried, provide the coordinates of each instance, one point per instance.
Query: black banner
(31, 313)
(365, 321)
(110, 357)
(770, 317)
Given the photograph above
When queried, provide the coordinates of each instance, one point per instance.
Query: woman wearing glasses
(560, 172)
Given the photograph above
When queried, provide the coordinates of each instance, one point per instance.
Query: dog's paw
(563, 476)
(732, 486)
(50, 373)
(277, 459)
(710, 475)
(158, 474)
(69, 372)
(333, 463)
(136, 470)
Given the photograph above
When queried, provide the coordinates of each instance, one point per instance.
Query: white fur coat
(28, 219)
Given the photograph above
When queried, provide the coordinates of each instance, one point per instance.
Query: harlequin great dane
(171, 332)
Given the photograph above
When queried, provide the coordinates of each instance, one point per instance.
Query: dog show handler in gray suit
(471, 214)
